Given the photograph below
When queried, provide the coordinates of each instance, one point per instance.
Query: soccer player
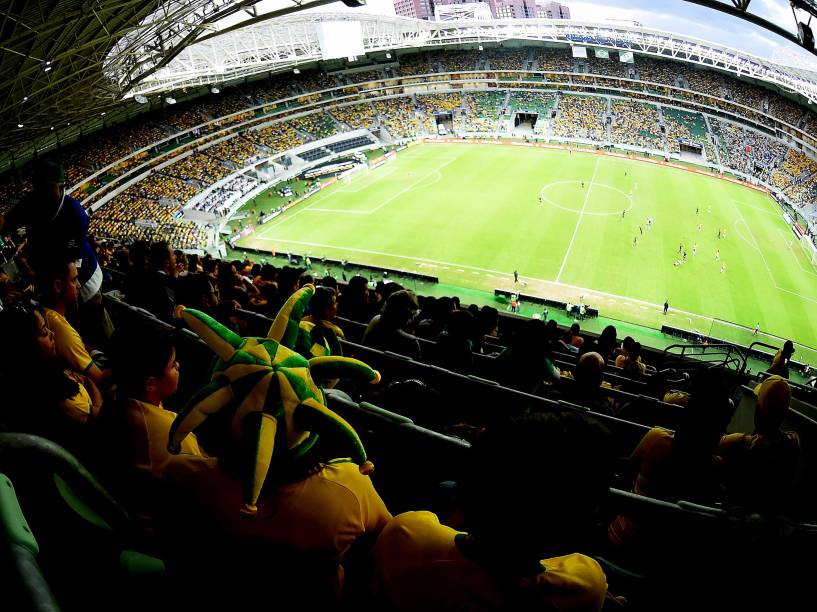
(757, 329)
(582, 184)
(540, 200)
(623, 213)
(515, 276)
(641, 231)
(700, 227)
(666, 306)
(723, 267)
(685, 255)
(718, 255)
(719, 233)
(635, 240)
(694, 249)
(696, 210)
(680, 248)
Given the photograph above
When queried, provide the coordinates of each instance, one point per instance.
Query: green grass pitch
(472, 215)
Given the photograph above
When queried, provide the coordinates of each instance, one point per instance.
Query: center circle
(558, 192)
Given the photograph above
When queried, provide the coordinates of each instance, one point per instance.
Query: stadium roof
(70, 65)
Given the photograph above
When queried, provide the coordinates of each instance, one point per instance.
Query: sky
(670, 15)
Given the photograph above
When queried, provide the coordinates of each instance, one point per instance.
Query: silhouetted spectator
(387, 331)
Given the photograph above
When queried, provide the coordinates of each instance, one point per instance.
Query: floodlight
(170, 100)
(296, 71)
(214, 90)
(140, 99)
(19, 125)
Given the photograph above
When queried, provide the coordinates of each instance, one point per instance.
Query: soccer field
(471, 215)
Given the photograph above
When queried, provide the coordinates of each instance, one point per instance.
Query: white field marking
(432, 263)
(416, 184)
(784, 238)
(742, 237)
(766, 263)
(578, 221)
(573, 210)
(763, 210)
(375, 175)
(340, 210)
(318, 199)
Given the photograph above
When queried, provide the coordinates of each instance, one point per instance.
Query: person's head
(288, 280)
(305, 279)
(49, 182)
(324, 304)
(552, 329)
(400, 308)
(706, 416)
(627, 344)
(181, 259)
(161, 258)
(210, 266)
(460, 324)
(635, 350)
(589, 371)
(27, 340)
(564, 456)
(530, 342)
(329, 281)
(145, 365)
(608, 336)
(574, 329)
(773, 399)
(59, 282)
(193, 263)
(358, 289)
(489, 319)
(788, 348)
(197, 291)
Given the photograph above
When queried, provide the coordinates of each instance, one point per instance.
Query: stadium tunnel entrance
(444, 121)
(525, 121)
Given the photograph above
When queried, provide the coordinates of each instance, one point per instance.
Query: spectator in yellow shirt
(60, 288)
(520, 551)
(39, 395)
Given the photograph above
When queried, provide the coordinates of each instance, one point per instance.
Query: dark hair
(574, 329)
(137, 355)
(399, 308)
(21, 365)
(49, 270)
(321, 300)
(158, 255)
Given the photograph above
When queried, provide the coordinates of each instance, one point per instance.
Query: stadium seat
(91, 551)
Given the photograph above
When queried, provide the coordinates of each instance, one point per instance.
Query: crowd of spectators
(505, 59)
(553, 60)
(356, 116)
(481, 112)
(317, 125)
(200, 167)
(606, 66)
(399, 118)
(127, 218)
(636, 124)
(416, 63)
(580, 117)
(657, 71)
(277, 137)
(238, 150)
(491, 544)
(222, 198)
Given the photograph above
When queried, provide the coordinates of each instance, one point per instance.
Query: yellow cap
(773, 395)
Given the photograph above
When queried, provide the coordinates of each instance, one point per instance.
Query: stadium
(548, 261)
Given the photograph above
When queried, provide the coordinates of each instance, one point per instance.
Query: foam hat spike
(273, 392)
